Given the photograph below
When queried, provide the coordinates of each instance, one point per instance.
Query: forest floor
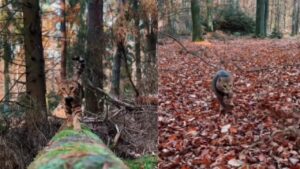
(263, 129)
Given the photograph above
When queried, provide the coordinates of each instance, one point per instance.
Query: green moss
(79, 149)
(70, 132)
(74, 150)
(54, 164)
(146, 162)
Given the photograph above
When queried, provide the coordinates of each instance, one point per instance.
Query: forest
(229, 83)
(145, 84)
(78, 84)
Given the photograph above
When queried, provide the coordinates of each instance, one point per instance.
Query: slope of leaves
(263, 129)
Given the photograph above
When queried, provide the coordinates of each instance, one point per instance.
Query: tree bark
(150, 67)
(94, 57)
(63, 29)
(278, 16)
(262, 10)
(196, 19)
(137, 44)
(7, 59)
(210, 25)
(266, 18)
(76, 149)
(295, 18)
(168, 14)
(116, 70)
(34, 57)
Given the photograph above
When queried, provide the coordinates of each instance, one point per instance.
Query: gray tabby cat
(222, 87)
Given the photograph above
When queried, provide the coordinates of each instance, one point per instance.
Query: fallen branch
(190, 52)
(112, 99)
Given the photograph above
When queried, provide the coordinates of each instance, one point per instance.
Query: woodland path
(262, 130)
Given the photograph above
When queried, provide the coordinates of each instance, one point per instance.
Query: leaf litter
(263, 129)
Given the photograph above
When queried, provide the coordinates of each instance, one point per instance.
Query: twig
(115, 114)
(117, 136)
(10, 89)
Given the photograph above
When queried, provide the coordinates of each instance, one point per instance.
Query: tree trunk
(137, 44)
(116, 70)
(7, 59)
(151, 73)
(76, 149)
(34, 57)
(63, 29)
(210, 25)
(278, 17)
(262, 10)
(295, 18)
(95, 50)
(150, 68)
(266, 18)
(169, 14)
(196, 19)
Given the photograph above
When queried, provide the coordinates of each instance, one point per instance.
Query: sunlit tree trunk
(94, 57)
(197, 27)
(210, 15)
(34, 57)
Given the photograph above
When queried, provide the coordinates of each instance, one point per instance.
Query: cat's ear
(220, 79)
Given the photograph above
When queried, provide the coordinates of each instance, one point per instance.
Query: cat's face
(69, 89)
(224, 84)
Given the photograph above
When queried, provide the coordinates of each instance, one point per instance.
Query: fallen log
(77, 150)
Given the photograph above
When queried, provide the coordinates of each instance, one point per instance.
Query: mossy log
(76, 150)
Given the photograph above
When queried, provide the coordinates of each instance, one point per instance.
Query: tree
(116, 70)
(168, 14)
(7, 55)
(121, 30)
(7, 59)
(120, 37)
(95, 50)
(63, 29)
(137, 44)
(262, 10)
(196, 19)
(295, 17)
(150, 19)
(210, 25)
(277, 17)
(34, 56)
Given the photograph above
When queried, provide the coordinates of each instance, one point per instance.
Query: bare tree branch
(112, 99)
